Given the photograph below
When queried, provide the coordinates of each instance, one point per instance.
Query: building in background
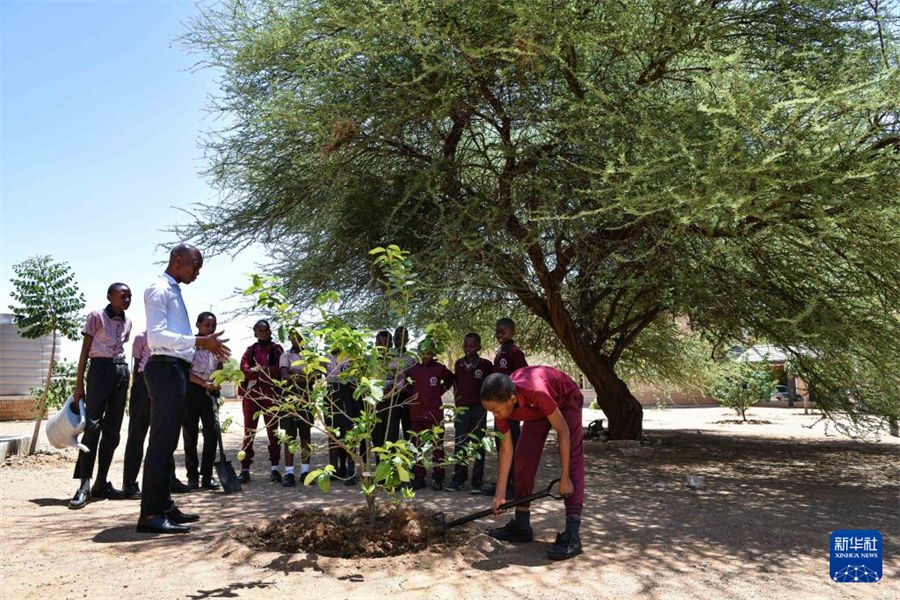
(23, 365)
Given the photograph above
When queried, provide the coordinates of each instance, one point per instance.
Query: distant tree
(47, 303)
(615, 170)
(740, 385)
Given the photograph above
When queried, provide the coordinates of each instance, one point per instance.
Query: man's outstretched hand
(215, 344)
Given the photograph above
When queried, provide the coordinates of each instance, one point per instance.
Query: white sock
(289, 470)
(304, 468)
(275, 468)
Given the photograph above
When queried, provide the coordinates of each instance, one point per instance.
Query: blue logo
(856, 556)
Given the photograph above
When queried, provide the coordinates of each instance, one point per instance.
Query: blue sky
(100, 118)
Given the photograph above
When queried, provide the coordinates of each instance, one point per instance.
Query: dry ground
(758, 529)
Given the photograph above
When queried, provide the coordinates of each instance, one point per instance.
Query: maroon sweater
(469, 379)
(509, 359)
(267, 358)
(429, 384)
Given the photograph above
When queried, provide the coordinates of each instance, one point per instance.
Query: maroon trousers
(252, 405)
(424, 422)
(531, 446)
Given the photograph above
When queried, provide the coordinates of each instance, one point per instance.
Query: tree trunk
(624, 412)
(42, 406)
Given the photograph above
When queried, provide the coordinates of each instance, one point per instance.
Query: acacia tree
(622, 171)
(47, 303)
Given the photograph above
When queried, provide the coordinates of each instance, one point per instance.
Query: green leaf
(324, 482)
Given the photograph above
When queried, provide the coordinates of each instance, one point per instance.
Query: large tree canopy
(610, 166)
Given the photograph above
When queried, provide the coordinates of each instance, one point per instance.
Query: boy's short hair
(506, 322)
(473, 336)
(204, 316)
(497, 387)
(116, 286)
(384, 335)
(262, 322)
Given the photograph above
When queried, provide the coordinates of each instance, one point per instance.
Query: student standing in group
(201, 395)
(544, 398)
(296, 426)
(344, 409)
(470, 373)
(105, 333)
(430, 379)
(166, 375)
(260, 365)
(508, 359)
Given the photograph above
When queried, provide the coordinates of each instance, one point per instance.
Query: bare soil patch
(42, 459)
(740, 422)
(346, 532)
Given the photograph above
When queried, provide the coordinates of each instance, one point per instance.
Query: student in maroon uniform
(430, 380)
(260, 366)
(296, 426)
(105, 333)
(471, 371)
(199, 408)
(543, 398)
(508, 359)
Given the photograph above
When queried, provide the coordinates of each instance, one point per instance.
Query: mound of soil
(42, 459)
(346, 532)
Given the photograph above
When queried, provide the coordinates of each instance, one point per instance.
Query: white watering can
(64, 427)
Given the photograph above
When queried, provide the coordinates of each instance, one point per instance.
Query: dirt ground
(759, 528)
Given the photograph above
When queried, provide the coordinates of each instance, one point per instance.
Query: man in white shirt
(166, 375)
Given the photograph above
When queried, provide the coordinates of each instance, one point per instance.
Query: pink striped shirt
(109, 332)
(204, 363)
(140, 351)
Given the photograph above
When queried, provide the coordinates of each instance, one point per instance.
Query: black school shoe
(132, 492)
(437, 485)
(81, 497)
(209, 483)
(176, 486)
(106, 490)
(289, 480)
(477, 489)
(418, 484)
(176, 516)
(275, 477)
(566, 546)
(244, 477)
(511, 532)
(454, 485)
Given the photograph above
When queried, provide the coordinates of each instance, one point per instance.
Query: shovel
(548, 491)
(227, 476)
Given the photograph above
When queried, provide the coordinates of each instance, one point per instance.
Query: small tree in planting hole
(740, 384)
(385, 469)
(47, 303)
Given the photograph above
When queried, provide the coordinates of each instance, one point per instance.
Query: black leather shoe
(477, 489)
(193, 484)
(275, 477)
(437, 485)
(565, 546)
(107, 491)
(159, 524)
(244, 477)
(176, 516)
(80, 498)
(132, 491)
(511, 532)
(289, 480)
(454, 486)
(489, 489)
(210, 483)
(351, 480)
(418, 484)
(177, 487)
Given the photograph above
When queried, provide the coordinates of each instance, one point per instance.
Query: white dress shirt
(168, 325)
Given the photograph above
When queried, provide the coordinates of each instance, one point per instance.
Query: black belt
(170, 359)
(109, 359)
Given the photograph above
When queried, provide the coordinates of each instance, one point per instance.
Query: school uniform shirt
(398, 368)
(469, 378)
(205, 362)
(509, 359)
(169, 330)
(539, 392)
(429, 384)
(109, 332)
(260, 365)
(140, 351)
